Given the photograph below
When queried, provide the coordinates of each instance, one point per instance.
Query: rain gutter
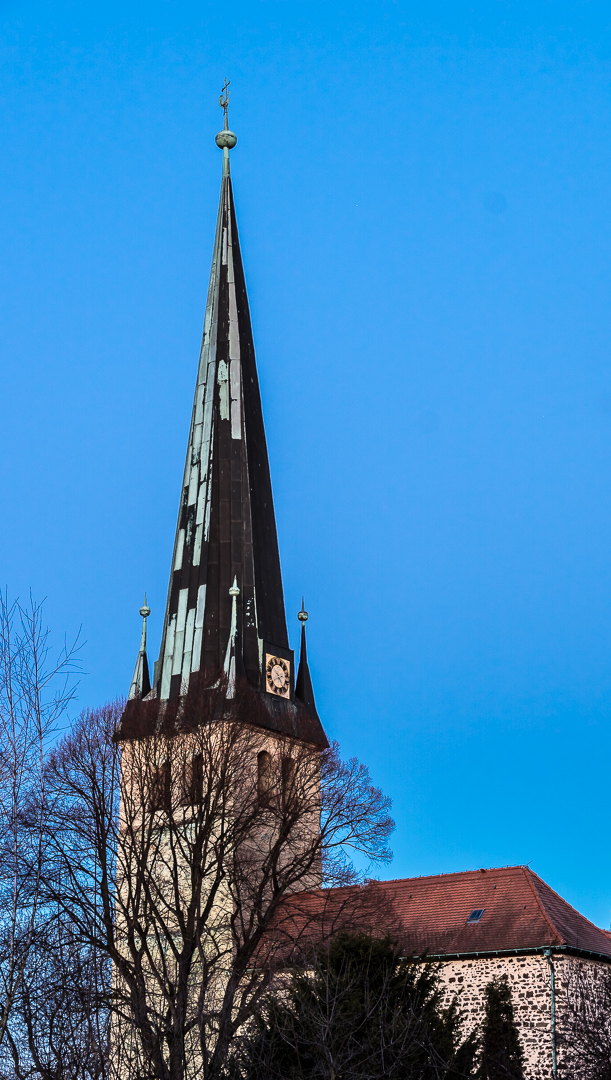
(535, 950)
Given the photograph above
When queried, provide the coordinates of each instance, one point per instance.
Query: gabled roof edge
(528, 874)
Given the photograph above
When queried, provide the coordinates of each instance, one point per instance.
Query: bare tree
(61, 1022)
(173, 854)
(34, 693)
(585, 1032)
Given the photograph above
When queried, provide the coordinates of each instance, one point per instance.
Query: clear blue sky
(423, 194)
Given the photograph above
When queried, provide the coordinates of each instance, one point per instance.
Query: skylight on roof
(476, 914)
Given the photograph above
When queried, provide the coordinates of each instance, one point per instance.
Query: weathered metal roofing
(226, 530)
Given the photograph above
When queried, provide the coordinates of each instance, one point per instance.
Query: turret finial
(145, 611)
(141, 682)
(302, 615)
(225, 139)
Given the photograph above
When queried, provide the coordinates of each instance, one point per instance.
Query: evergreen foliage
(502, 1057)
(359, 1013)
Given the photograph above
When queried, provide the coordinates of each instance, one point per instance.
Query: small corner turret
(303, 687)
(141, 682)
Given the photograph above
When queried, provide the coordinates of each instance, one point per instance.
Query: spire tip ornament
(225, 139)
(302, 615)
(145, 610)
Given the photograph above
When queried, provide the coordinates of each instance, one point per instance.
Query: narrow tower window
(264, 777)
(288, 780)
(193, 787)
(161, 788)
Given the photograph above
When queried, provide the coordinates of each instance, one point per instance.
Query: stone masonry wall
(529, 979)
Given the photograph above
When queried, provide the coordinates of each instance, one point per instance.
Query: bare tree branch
(35, 690)
(585, 1033)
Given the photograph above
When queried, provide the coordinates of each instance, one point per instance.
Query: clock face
(277, 676)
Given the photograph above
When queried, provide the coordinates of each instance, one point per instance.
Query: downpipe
(552, 984)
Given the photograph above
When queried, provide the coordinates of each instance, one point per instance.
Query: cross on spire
(224, 101)
(225, 139)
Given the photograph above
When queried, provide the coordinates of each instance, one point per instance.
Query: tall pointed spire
(226, 526)
(225, 599)
(141, 682)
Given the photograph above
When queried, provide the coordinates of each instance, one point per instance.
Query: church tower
(225, 615)
(220, 767)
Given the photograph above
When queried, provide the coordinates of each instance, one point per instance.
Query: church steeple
(225, 594)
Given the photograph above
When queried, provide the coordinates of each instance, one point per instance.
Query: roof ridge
(529, 874)
(448, 873)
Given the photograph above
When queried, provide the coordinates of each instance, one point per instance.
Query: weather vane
(225, 139)
(224, 100)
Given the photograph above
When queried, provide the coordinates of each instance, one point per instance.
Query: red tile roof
(429, 915)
